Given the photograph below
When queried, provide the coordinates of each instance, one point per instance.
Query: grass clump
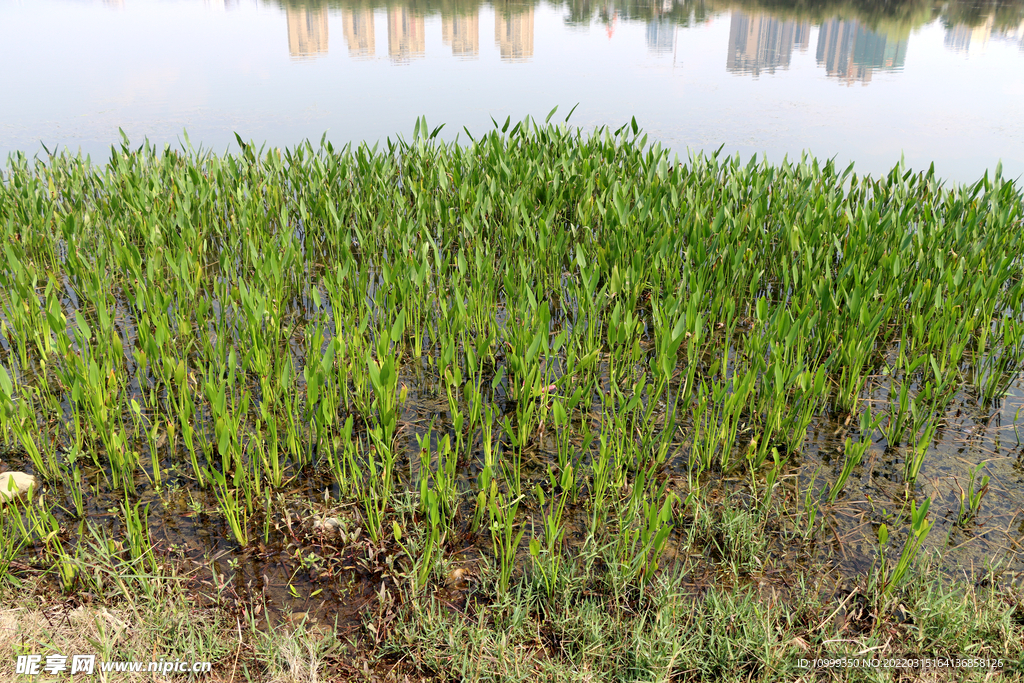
(678, 631)
(550, 391)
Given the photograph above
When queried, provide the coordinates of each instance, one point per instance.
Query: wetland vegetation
(540, 404)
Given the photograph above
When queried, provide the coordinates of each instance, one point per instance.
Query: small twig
(830, 617)
(842, 547)
(237, 649)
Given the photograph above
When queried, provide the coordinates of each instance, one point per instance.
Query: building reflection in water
(405, 34)
(307, 31)
(661, 36)
(661, 29)
(851, 52)
(1015, 34)
(358, 27)
(513, 33)
(462, 33)
(760, 42)
(962, 37)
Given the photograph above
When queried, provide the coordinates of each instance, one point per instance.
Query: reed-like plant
(970, 499)
(919, 528)
(854, 452)
(235, 512)
(547, 551)
(504, 539)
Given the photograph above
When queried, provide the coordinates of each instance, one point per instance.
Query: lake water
(863, 82)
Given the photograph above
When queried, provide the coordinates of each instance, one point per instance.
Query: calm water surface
(862, 82)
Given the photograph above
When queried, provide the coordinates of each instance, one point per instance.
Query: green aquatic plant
(547, 551)
(504, 539)
(231, 506)
(454, 323)
(970, 500)
(887, 579)
(854, 453)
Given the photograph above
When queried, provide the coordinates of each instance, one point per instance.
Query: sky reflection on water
(861, 82)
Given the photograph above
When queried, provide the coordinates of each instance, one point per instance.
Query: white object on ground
(13, 484)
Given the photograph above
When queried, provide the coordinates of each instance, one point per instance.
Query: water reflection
(678, 65)
(1015, 34)
(357, 24)
(307, 31)
(851, 52)
(406, 34)
(219, 5)
(964, 37)
(513, 32)
(871, 37)
(661, 36)
(960, 36)
(761, 42)
(462, 33)
(677, 13)
(972, 25)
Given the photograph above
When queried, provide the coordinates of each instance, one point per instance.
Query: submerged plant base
(540, 405)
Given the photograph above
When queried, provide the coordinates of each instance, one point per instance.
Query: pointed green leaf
(398, 329)
(5, 383)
